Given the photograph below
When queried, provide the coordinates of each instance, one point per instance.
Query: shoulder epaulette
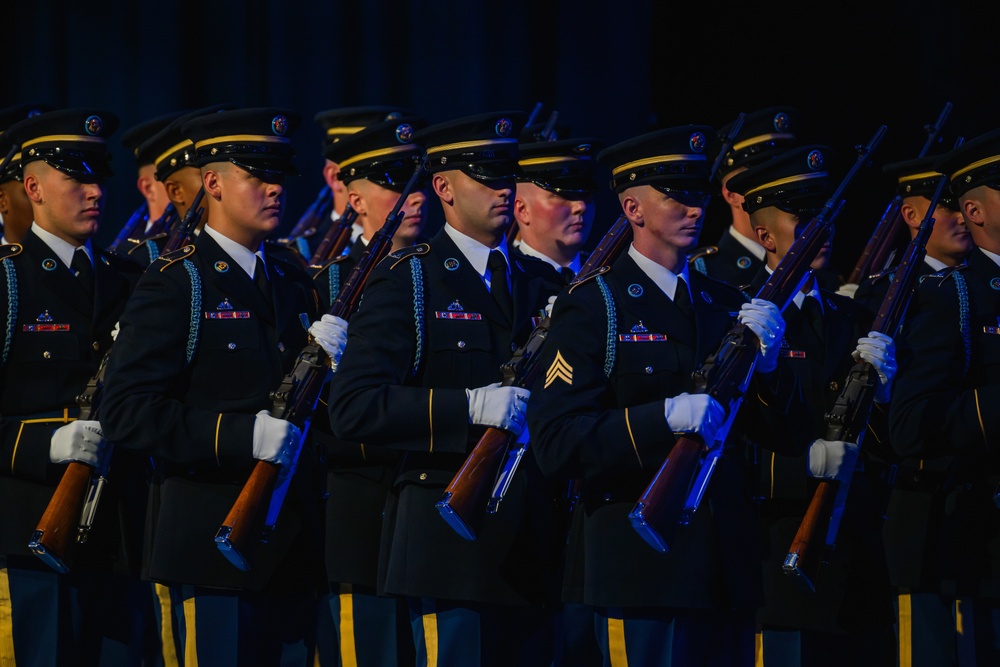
(600, 271)
(702, 252)
(405, 253)
(172, 257)
(10, 250)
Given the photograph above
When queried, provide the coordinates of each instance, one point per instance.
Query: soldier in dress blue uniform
(62, 299)
(618, 391)
(421, 374)
(375, 166)
(848, 619)
(942, 406)
(737, 257)
(154, 193)
(210, 331)
(338, 124)
(15, 207)
(554, 204)
(925, 619)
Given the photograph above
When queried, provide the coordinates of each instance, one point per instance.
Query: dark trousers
(792, 647)
(675, 637)
(369, 631)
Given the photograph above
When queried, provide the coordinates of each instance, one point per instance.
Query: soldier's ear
(4, 203)
(175, 193)
(357, 202)
(632, 209)
(910, 216)
(33, 186)
(764, 237)
(973, 211)
(521, 212)
(330, 171)
(212, 184)
(442, 188)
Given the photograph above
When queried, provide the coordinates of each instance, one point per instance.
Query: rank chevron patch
(559, 370)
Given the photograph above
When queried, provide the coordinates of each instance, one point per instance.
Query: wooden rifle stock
(296, 398)
(466, 498)
(138, 217)
(848, 419)
(725, 375)
(334, 241)
(878, 251)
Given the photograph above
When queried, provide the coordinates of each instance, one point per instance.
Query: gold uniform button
(461, 344)
(231, 346)
(649, 370)
(47, 354)
(423, 476)
(834, 386)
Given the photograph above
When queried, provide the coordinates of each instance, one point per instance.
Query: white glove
(848, 290)
(764, 319)
(330, 333)
(694, 413)
(879, 350)
(550, 305)
(81, 440)
(114, 332)
(502, 407)
(832, 459)
(275, 440)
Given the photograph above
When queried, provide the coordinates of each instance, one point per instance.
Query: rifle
(181, 232)
(878, 252)
(848, 419)
(70, 512)
(465, 498)
(310, 221)
(139, 217)
(727, 143)
(251, 520)
(335, 239)
(164, 222)
(676, 490)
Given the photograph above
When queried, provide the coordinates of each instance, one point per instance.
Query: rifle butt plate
(49, 558)
(229, 550)
(645, 530)
(452, 518)
(792, 567)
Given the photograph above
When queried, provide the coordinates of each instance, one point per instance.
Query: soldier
(554, 204)
(737, 257)
(63, 297)
(942, 404)
(173, 158)
(848, 618)
(620, 355)
(15, 207)
(911, 542)
(376, 164)
(339, 124)
(421, 374)
(153, 192)
(210, 331)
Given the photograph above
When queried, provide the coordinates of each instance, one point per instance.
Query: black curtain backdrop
(611, 69)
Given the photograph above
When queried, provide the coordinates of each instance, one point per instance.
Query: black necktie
(813, 311)
(682, 298)
(84, 270)
(260, 280)
(498, 282)
(567, 274)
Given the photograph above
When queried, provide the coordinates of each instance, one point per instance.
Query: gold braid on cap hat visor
(785, 181)
(405, 148)
(60, 138)
(760, 139)
(975, 165)
(173, 149)
(344, 129)
(534, 161)
(470, 144)
(919, 177)
(658, 159)
(241, 138)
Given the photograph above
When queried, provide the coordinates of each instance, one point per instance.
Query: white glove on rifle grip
(330, 333)
(694, 413)
(764, 319)
(550, 305)
(81, 440)
(498, 406)
(275, 440)
(832, 459)
(879, 350)
(848, 290)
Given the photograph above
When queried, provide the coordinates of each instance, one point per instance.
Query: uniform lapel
(57, 277)
(662, 316)
(465, 283)
(232, 280)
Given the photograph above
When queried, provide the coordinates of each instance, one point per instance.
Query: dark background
(611, 69)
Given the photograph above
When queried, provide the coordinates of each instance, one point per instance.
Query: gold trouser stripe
(616, 642)
(430, 416)
(905, 630)
(6, 622)
(430, 624)
(190, 634)
(167, 625)
(959, 618)
(635, 449)
(979, 413)
(218, 425)
(65, 419)
(758, 649)
(348, 650)
(773, 457)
